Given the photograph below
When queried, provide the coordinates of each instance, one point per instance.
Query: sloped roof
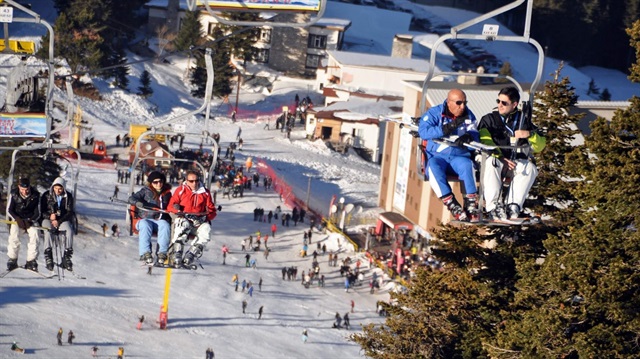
(356, 59)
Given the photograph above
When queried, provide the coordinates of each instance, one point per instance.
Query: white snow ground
(204, 309)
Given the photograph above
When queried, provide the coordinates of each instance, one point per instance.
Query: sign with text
(23, 125)
(282, 5)
(6, 14)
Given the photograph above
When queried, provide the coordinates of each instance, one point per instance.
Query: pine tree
(223, 71)
(580, 300)
(593, 89)
(551, 191)
(145, 89)
(190, 34)
(242, 42)
(605, 95)
(40, 170)
(505, 70)
(119, 73)
(79, 34)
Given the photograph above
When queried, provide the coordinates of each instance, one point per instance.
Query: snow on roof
(333, 22)
(358, 108)
(603, 104)
(356, 59)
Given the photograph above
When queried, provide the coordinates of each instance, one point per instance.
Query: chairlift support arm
(525, 38)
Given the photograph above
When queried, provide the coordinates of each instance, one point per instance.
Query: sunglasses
(157, 181)
(191, 181)
(460, 102)
(504, 103)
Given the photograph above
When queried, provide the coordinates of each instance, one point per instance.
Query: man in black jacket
(58, 211)
(23, 208)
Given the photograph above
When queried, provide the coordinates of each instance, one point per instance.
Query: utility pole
(308, 192)
(238, 90)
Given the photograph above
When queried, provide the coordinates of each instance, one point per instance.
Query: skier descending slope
(194, 202)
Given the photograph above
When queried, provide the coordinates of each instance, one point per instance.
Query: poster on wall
(402, 170)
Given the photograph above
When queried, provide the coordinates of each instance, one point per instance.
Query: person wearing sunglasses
(505, 127)
(23, 208)
(194, 204)
(450, 118)
(57, 207)
(155, 195)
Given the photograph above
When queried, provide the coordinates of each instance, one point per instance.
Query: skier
(260, 285)
(338, 321)
(155, 195)
(353, 304)
(57, 207)
(247, 257)
(244, 284)
(274, 228)
(452, 117)
(260, 311)
(115, 230)
(23, 208)
(305, 336)
(244, 306)
(115, 192)
(120, 353)
(499, 128)
(191, 197)
(209, 354)
(70, 337)
(104, 229)
(94, 351)
(140, 321)
(251, 291)
(225, 250)
(346, 320)
(59, 336)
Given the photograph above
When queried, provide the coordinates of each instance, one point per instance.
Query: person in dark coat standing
(260, 311)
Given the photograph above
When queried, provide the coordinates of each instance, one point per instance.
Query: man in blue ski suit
(451, 118)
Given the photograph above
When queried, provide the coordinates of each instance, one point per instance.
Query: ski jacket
(198, 201)
(498, 130)
(430, 128)
(152, 199)
(49, 204)
(25, 208)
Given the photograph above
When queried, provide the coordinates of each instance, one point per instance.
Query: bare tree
(165, 39)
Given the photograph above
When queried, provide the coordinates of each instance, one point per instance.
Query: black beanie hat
(156, 175)
(24, 182)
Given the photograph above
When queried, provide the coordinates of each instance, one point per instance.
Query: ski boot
(513, 210)
(454, 207)
(31, 265)
(193, 252)
(471, 207)
(161, 260)
(498, 213)
(177, 254)
(48, 259)
(147, 258)
(66, 259)
(12, 264)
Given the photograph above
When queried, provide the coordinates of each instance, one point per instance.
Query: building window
(313, 61)
(265, 35)
(317, 41)
(262, 55)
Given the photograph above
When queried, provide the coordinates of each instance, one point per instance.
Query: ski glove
(452, 126)
(177, 207)
(139, 204)
(22, 224)
(466, 138)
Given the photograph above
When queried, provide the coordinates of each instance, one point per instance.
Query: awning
(396, 220)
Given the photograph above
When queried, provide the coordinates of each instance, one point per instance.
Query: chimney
(402, 46)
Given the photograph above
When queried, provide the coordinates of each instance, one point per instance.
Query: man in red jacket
(194, 205)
